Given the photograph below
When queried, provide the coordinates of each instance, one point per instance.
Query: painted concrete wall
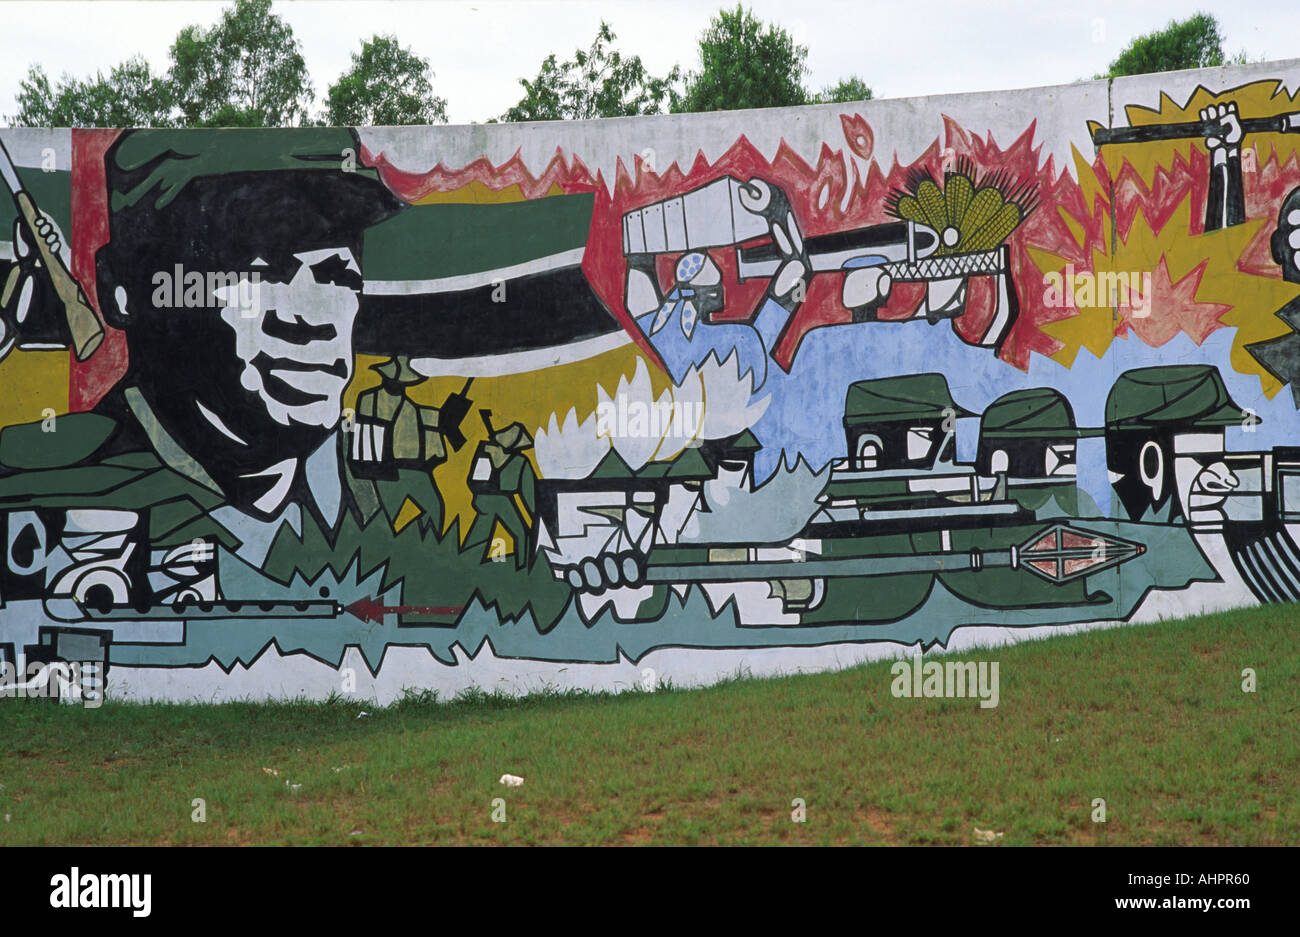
(607, 403)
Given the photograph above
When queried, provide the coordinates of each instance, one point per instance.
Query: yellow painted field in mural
(530, 398)
(33, 386)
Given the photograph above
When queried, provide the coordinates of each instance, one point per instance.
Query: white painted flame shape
(713, 392)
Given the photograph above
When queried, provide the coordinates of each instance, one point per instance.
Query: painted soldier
(233, 267)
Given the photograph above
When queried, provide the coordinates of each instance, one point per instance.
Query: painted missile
(1060, 553)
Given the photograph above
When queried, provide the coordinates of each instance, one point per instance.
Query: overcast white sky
(480, 48)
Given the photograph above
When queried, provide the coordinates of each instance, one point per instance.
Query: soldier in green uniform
(234, 268)
(1030, 433)
(504, 484)
(396, 441)
(1029, 438)
(901, 422)
(1165, 441)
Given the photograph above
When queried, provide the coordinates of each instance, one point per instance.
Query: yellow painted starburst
(1196, 279)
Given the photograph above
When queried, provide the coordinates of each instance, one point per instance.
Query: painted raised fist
(1228, 132)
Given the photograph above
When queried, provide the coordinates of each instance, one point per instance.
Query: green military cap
(1184, 395)
(220, 197)
(900, 400)
(161, 163)
(1035, 413)
(416, 252)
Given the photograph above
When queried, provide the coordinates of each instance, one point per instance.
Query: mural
(288, 408)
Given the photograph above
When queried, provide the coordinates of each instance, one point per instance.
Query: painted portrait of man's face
(249, 366)
(292, 316)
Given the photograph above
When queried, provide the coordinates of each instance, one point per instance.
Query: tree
(745, 64)
(597, 82)
(845, 90)
(131, 95)
(1196, 42)
(246, 71)
(386, 86)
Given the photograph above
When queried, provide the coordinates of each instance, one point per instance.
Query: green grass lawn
(1151, 718)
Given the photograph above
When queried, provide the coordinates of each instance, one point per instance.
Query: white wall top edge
(903, 127)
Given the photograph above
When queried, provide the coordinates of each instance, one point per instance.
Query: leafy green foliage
(745, 64)
(131, 95)
(246, 71)
(844, 91)
(596, 82)
(386, 86)
(1196, 42)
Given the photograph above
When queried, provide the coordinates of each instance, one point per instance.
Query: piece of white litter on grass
(363, 713)
(355, 833)
(292, 787)
(272, 772)
(6, 818)
(986, 836)
(511, 780)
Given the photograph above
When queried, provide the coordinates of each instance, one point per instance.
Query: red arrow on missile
(368, 609)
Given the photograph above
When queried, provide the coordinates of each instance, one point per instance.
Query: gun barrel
(8, 173)
(1152, 133)
(892, 242)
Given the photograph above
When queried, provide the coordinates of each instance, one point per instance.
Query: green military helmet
(742, 443)
(731, 452)
(611, 467)
(1033, 413)
(1184, 396)
(513, 438)
(398, 369)
(903, 399)
(688, 465)
(506, 443)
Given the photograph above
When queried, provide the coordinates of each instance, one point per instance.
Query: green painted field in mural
(1152, 718)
